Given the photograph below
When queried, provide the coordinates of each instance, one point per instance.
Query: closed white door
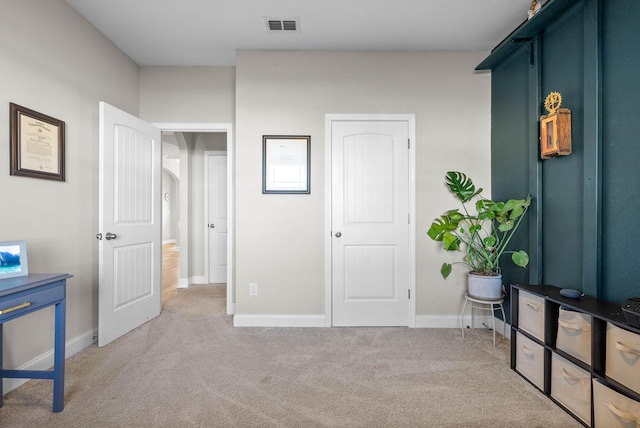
(130, 224)
(217, 217)
(370, 223)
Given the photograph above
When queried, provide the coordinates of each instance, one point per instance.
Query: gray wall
(63, 67)
(54, 62)
(280, 238)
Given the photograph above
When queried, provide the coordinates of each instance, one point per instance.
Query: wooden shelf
(548, 13)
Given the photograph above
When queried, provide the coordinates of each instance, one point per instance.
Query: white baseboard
(199, 280)
(183, 283)
(45, 361)
(240, 320)
(422, 321)
(231, 309)
(453, 321)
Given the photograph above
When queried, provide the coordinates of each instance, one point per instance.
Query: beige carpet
(190, 368)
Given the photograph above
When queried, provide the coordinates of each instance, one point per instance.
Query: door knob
(99, 236)
(109, 236)
(212, 226)
(338, 234)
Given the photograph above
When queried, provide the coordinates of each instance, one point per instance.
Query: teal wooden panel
(562, 177)
(509, 149)
(620, 149)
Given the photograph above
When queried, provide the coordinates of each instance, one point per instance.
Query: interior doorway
(189, 139)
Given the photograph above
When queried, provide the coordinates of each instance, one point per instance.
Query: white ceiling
(208, 32)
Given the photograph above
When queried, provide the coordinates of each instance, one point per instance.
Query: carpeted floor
(190, 368)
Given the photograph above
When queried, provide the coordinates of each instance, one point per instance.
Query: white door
(130, 283)
(370, 223)
(217, 217)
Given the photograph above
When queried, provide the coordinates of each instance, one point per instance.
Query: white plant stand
(490, 305)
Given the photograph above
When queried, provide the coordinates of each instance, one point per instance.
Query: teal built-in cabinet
(584, 225)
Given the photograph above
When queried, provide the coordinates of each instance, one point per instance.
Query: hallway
(170, 271)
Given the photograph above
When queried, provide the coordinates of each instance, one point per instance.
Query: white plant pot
(484, 286)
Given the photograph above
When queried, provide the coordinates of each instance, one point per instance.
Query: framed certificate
(285, 163)
(37, 144)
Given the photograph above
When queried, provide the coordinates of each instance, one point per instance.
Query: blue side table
(25, 294)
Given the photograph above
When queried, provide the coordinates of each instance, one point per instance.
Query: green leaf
(461, 186)
(450, 242)
(445, 270)
(490, 241)
(520, 258)
(440, 226)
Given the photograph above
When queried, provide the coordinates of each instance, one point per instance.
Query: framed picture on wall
(286, 164)
(548, 136)
(37, 144)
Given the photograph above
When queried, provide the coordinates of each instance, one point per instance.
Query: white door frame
(329, 119)
(208, 153)
(228, 129)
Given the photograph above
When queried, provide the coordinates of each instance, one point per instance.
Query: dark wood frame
(269, 139)
(18, 141)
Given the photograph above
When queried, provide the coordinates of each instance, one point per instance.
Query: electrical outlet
(253, 289)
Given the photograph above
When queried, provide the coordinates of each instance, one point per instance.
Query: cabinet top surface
(601, 309)
(21, 283)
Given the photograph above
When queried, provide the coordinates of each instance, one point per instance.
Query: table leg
(58, 357)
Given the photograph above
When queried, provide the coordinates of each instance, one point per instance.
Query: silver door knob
(212, 226)
(99, 236)
(109, 236)
(338, 234)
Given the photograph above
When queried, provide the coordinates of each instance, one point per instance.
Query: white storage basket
(612, 409)
(530, 360)
(571, 386)
(623, 357)
(574, 334)
(531, 314)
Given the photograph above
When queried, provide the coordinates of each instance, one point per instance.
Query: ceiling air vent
(282, 25)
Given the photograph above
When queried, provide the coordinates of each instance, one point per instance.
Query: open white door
(130, 224)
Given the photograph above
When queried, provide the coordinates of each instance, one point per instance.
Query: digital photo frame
(13, 259)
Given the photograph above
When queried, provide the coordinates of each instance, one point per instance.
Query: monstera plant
(481, 229)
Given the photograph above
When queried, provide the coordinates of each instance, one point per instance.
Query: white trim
(184, 283)
(453, 321)
(168, 241)
(411, 120)
(45, 361)
(228, 129)
(240, 320)
(198, 280)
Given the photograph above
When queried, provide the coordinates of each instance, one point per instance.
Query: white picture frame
(13, 259)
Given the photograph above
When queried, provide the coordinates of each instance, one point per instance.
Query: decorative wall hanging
(555, 128)
(37, 144)
(285, 163)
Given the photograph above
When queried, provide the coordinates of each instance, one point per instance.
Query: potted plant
(482, 234)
